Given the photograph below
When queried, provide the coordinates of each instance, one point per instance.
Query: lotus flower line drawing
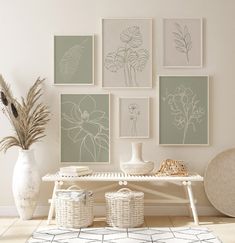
(185, 108)
(86, 126)
(128, 57)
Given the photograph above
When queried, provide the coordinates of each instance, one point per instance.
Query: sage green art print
(73, 60)
(85, 128)
(183, 115)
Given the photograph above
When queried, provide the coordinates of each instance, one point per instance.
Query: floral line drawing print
(134, 113)
(86, 126)
(182, 39)
(128, 57)
(70, 61)
(185, 108)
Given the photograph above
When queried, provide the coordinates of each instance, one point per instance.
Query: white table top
(120, 176)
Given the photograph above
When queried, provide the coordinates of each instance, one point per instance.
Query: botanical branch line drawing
(182, 39)
(128, 57)
(86, 126)
(70, 61)
(134, 113)
(185, 108)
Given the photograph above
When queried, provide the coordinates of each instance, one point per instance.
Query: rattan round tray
(219, 181)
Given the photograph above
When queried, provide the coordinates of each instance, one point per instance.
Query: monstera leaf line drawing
(128, 57)
(185, 109)
(182, 40)
(86, 126)
(70, 61)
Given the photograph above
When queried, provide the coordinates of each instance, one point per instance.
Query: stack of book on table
(73, 171)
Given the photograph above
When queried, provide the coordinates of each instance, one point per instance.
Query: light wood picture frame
(183, 110)
(74, 60)
(182, 42)
(85, 128)
(134, 117)
(127, 53)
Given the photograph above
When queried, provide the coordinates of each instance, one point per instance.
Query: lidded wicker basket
(74, 208)
(124, 208)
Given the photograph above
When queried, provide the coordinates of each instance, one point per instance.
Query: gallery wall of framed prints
(127, 64)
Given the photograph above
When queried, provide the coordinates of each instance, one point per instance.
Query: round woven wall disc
(219, 181)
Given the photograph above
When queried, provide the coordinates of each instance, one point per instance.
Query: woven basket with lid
(125, 208)
(74, 208)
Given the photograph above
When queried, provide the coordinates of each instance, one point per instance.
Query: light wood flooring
(13, 230)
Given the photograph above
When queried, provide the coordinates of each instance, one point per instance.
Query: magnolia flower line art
(128, 57)
(185, 109)
(87, 127)
(134, 113)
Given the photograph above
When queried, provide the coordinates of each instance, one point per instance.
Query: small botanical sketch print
(73, 60)
(127, 53)
(85, 128)
(134, 117)
(183, 110)
(182, 42)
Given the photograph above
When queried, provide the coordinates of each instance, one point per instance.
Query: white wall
(26, 52)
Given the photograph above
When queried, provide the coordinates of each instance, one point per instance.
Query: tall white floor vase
(26, 184)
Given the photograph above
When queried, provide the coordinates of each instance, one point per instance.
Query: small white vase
(136, 165)
(26, 184)
(136, 156)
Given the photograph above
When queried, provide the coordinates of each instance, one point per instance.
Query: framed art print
(73, 60)
(134, 117)
(127, 53)
(184, 110)
(85, 129)
(182, 43)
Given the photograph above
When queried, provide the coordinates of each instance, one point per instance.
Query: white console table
(124, 179)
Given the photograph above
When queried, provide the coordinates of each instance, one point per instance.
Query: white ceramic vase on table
(26, 184)
(136, 165)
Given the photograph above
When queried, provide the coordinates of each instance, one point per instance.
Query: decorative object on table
(85, 129)
(74, 60)
(134, 117)
(73, 171)
(170, 167)
(28, 120)
(124, 208)
(107, 234)
(184, 110)
(137, 166)
(74, 207)
(127, 53)
(183, 43)
(219, 181)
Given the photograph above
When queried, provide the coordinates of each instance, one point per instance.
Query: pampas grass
(28, 117)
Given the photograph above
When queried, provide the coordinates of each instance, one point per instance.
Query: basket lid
(124, 193)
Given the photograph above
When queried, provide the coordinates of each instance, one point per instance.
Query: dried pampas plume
(28, 117)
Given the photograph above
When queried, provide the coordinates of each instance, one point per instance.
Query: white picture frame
(170, 86)
(122, 37)
(134, 117)
(62, 161)
(182, 42)
(68, 56)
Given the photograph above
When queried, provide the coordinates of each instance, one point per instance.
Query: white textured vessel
(137, 166)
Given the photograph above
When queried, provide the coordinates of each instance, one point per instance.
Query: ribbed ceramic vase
(26, 184)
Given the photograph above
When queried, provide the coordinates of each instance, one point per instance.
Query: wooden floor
(16, 231)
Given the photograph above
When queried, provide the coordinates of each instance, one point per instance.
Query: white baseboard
(99, 210)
